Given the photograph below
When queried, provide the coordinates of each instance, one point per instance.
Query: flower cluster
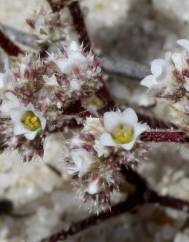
(99, 150)
(170, 80)
(39, 96)
(50, 27)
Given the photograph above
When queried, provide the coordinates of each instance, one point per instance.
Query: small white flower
(83, 161)
(121, 129)
(50, 81)
(93, 126)
(27, 121)
(74, 59)
(94, 187)
(160, 69)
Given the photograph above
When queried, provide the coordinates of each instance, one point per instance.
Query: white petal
(179, 61)
(111, 120)
(73, 46)
(128, 146)
(19, 129)
(148, 81)
(82, 160)
(75, 85)
(43, 122)
(94, 187)
(106, 140)
(2, 81)
(16, 114)
(30, 135)
(50, 81)
(64, 65)
(129, 117)
(183, 43)
(78, 60)
(140, 128)
(158, 66)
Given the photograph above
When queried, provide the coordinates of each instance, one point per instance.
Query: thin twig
(79, 24)
(8, 45)
(143, 194)
(165, 136)
(93, 220)
(125, 68)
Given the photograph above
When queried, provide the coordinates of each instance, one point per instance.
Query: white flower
(83, 161)
(74, 59)
(27, 121)
(94, 187)
(50, 81)
(160, 69)
(121, 129)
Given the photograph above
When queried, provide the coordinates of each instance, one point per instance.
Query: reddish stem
(9, 46)
(165, 136)
(93, 220)
(143, 194)
(57, 5)
(79, 24)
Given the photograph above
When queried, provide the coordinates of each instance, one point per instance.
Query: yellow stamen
(123, 134)
(31, 121)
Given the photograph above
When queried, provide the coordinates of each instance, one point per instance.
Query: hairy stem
(93, 220)
(143, 194)
(8, 45)
(165, 136)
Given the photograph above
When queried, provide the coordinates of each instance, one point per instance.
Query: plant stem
(79, 24)
(8, 45)
(93, 220)
(165, 136)
(142, 195)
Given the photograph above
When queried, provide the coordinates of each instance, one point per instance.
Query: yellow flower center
(123, 134)
(31, 121)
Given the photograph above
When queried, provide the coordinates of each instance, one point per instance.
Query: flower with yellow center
(27, 121)
(123, 134)
(31, 121)
(121, 129)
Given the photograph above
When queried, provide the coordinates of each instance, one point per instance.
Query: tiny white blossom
(74, 59)
(160, 69)
(83, 161)
(121, 129)
(94, 187)
(27, 121)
